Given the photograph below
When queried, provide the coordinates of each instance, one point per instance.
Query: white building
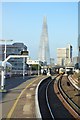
(64, 55)
(33, 62)
(61, 55)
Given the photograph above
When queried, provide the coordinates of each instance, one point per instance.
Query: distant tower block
(44, 54)
(79, 30)
(79, 46)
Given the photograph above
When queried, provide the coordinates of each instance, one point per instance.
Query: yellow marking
(14, 106)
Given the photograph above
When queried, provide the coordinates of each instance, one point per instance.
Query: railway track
(50, 105)
(70, 94)
(44, 107)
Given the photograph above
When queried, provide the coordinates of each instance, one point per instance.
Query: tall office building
(79, 29)
(61, 56)
(79, 46)
(76, 59)
(64, 55)
(44, 54)
(69, 53)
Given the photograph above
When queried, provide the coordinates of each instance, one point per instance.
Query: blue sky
(22, 22)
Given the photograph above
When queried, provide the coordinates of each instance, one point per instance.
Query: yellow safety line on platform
(12, 109)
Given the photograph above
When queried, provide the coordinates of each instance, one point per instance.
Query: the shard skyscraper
(44, 54)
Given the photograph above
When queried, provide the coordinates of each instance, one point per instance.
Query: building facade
(79, 30)
(69, 54)
(61, 55)
(64, 55)
(52, 61)
(79, 46)
(76, 60)
(14, 49)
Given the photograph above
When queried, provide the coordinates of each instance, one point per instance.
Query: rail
(70, 102)
(70, 79)
(37, 109)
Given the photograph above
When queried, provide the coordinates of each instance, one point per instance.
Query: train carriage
(61, 71)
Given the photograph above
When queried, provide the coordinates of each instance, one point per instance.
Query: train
(67, 70)
(7, 70)
(70, 70)
(61, 71)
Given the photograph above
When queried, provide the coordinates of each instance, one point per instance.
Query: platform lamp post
(39, 65)
(5, 46)
(5, 41)
(2, 40)
(38, 69)
(24, 52)
(2, 71)
(65, 68)
(23, 66)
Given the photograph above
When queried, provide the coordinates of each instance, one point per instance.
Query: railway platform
(24, 106)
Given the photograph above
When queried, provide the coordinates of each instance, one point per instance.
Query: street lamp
(23, 67)
(5, 46)
(2, 71)
(39, 65)
(2, 40)
(24, 52)
(38, 69)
